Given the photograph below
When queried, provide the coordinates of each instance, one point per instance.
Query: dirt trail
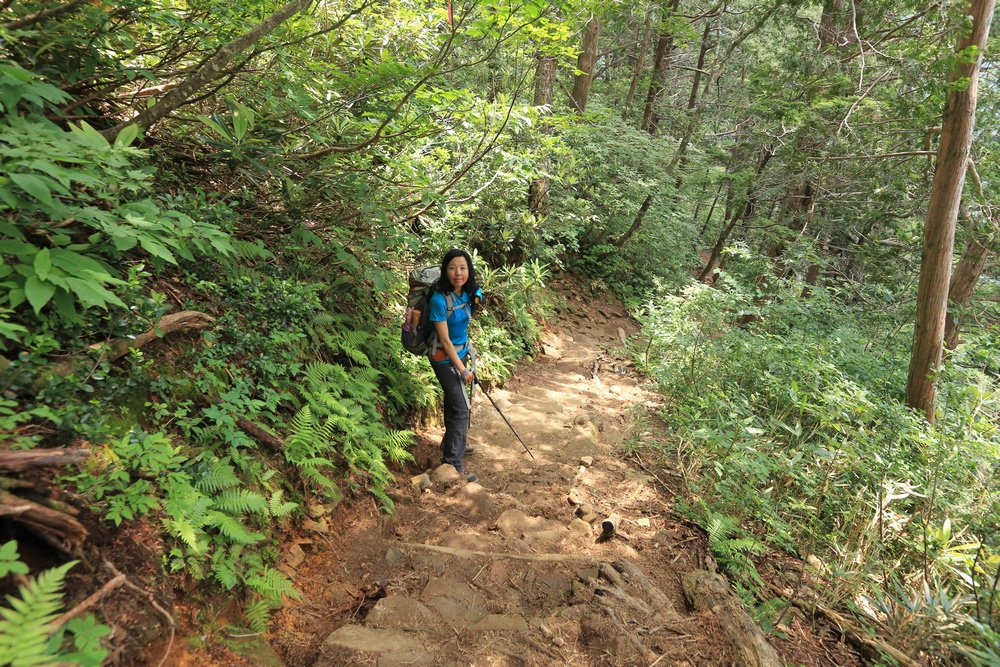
(505, 571)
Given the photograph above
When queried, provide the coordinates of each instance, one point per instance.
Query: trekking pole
(475, 381)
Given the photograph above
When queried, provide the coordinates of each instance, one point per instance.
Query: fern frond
(278, 507)
(219, 475)
(24, 630)
(257, 615)
(233, 528)
(241, 501)
(272, 584)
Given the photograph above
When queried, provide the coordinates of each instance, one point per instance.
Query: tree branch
(209, 71)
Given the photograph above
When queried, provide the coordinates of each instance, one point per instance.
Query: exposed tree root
(469, 553)
(710, 592)
(59, 527)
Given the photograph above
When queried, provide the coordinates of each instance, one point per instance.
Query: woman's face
(458, 272)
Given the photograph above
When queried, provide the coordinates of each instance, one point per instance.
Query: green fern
(272, 585)
(733, 550)
(26, 636)
(257, 613)
(278, 507)
(217, 476)
(241, 501)
(233, 528)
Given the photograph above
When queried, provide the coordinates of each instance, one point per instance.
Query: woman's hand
(468, 376)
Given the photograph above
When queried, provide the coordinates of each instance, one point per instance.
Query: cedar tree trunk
(538, 191)
(942, 213)
(963, 284)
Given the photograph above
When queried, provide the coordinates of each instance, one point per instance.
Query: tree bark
(942, 214)
(209, 71)
(663, 44)
(640, 62)
(693, 99)
(585, 63)
(538, 191)
(733, 218)
(963, 284)
(40, 16)
(17, 461)
(829, 24)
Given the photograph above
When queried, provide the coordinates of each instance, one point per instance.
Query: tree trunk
(734, 218)
(717, 68)
(640, 62)
(963, 283)
(209, 71)
(585, 63)
(648, 122)
(829, 24)
(538, 191)
(942, 213)
(693, 99)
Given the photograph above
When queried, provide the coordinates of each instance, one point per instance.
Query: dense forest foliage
(207, 211)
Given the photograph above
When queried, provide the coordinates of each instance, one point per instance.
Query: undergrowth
(788, 420)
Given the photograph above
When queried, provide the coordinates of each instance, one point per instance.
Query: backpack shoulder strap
(449, 300)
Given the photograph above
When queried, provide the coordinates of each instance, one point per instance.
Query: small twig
(89, 601)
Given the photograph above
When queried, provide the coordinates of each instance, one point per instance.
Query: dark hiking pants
(456, 415)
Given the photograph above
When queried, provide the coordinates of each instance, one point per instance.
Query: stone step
(357, 644)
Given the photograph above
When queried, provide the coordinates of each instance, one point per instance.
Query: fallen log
(185, 320)
(710, 592)
(59, 526)
(16, 461)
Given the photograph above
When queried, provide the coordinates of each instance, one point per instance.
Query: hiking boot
(470, 450)
(469, 476)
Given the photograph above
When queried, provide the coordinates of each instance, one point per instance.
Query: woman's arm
(442, 332)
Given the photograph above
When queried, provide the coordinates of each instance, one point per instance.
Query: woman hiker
(452, 303)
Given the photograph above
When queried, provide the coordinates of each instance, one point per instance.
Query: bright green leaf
(43, 264)
(38, 292)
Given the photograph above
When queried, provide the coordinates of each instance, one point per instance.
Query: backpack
(418, 333)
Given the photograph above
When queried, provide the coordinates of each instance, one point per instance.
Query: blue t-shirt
(458, 320)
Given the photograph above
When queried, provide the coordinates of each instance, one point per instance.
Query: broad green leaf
(93, 137)
(213, 125)
(38, 292)
(157, 249)
(126, 136)
(93, 294)
(43, 264)
(34, 186)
